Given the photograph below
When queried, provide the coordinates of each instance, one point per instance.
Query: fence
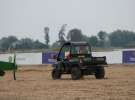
(113, 57)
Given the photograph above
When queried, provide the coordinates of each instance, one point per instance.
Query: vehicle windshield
(83, 49)
(65, 52)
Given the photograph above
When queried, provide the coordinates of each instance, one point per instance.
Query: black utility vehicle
(78, 61)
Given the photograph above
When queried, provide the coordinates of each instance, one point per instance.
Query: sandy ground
(35, 83)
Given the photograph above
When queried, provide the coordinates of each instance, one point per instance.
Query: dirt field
(35, 83)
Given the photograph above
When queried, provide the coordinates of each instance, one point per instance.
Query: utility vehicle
(78, 61)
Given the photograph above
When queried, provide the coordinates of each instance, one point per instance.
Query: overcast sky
(27, 18)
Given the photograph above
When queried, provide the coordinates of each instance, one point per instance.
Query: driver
(67, 55)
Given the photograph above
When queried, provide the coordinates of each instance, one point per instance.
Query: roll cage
(71, 45)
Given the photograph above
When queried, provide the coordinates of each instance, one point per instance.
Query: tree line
(13, 43)
(118, 38)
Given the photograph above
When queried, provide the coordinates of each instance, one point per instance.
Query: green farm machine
(5, 66)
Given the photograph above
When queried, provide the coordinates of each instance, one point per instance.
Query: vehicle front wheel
(76, 73)
(56, 74)
(100, 73)
(2, 73)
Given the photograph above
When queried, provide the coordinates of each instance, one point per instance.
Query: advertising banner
(129, 57)
(50, 57)
(7, 57)
(29, 58)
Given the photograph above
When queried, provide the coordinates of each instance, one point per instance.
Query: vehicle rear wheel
(2, 73)
(56, 74)
(100, 73)
(76, 73)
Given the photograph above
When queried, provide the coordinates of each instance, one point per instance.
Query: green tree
(75, 35)
(6, 42)
(56, 45)
(39, 45)
(61, 34)
(47, 38)
(102, 35)
(103, 39)
(85, 38)
(121, 38)
(12, 43)
(93, 40)
(27, 43)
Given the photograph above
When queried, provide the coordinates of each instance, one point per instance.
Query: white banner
(113, 57)
(29, 58)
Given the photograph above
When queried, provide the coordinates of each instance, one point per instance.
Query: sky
(27, 18)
